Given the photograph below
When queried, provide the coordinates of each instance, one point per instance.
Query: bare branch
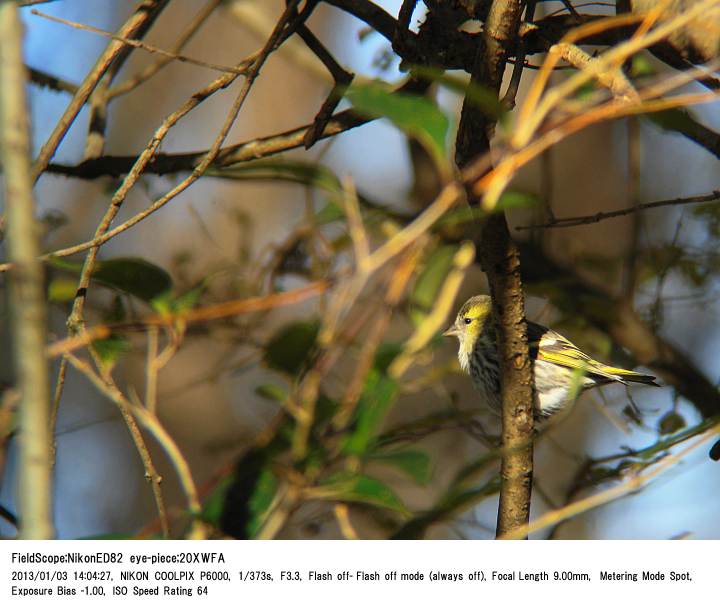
(147, 73)
(131, 42)
(604, 215)
(144, 12)
(42, 79)
(237, 153)
(27, 289)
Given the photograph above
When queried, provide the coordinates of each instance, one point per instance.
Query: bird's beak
(451, 331)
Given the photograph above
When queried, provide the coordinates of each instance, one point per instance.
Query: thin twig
(604, 215)
(132, 414)
(208, 313)
(143, 13)
(151, 369)
(22, 3)
(99, 99)
(508, 99)
(149, 71)
(396, 285)
(341, 80)
(43, 79)
(492, 183)
(535, 109)
(75, 319)
(143, 45)
(447, 198)
(55, 408)
(433, 322)
(237, 153)
(207, 158)
(613, 77)
(357, 232)
(342, 515)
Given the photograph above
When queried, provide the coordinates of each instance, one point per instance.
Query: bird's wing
(556, 349)
(549, 346)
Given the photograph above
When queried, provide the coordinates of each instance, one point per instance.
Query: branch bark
(27, 290)
(500, 260)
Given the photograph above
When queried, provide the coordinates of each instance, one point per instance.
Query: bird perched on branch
(558, 365)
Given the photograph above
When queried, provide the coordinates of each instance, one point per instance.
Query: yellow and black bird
(556, 361)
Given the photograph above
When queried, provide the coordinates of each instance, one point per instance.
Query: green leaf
(674, 119)
(385, 354)
(186, 301)
(415, 115)
(513, 199)
(671, 422)
(214, 504)
(111, 348)
(106, 537)
(460, 215)
(332, 212)
(709, 213)
(245, 496)
(414, 463)
(134, 276)
(325, 409)
(483, 97)
(289, 349)
(431, 279)
(378, 395)
(272, 393)
(62, 289)
(640, 66)
(284, 170)
(260, 501)
(586, 90)
(167, 302)
(358, 488)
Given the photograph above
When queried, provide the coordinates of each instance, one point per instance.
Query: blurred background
(238, 237)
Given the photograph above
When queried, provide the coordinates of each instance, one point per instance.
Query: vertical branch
(27, 292)
(501, 261)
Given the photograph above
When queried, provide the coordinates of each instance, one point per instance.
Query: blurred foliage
(288, 350)
(133, 276)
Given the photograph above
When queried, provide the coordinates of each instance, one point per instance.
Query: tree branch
(27, 288)
(144, 12)
(43, 79)
(499, 258)
(604, 215)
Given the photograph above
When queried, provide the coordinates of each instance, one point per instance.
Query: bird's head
(470, 322)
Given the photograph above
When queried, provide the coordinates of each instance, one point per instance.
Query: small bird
(555, 361)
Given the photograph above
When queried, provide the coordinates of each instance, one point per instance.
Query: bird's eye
(467, 321)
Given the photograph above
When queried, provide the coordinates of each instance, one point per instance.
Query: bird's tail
(629, 376)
